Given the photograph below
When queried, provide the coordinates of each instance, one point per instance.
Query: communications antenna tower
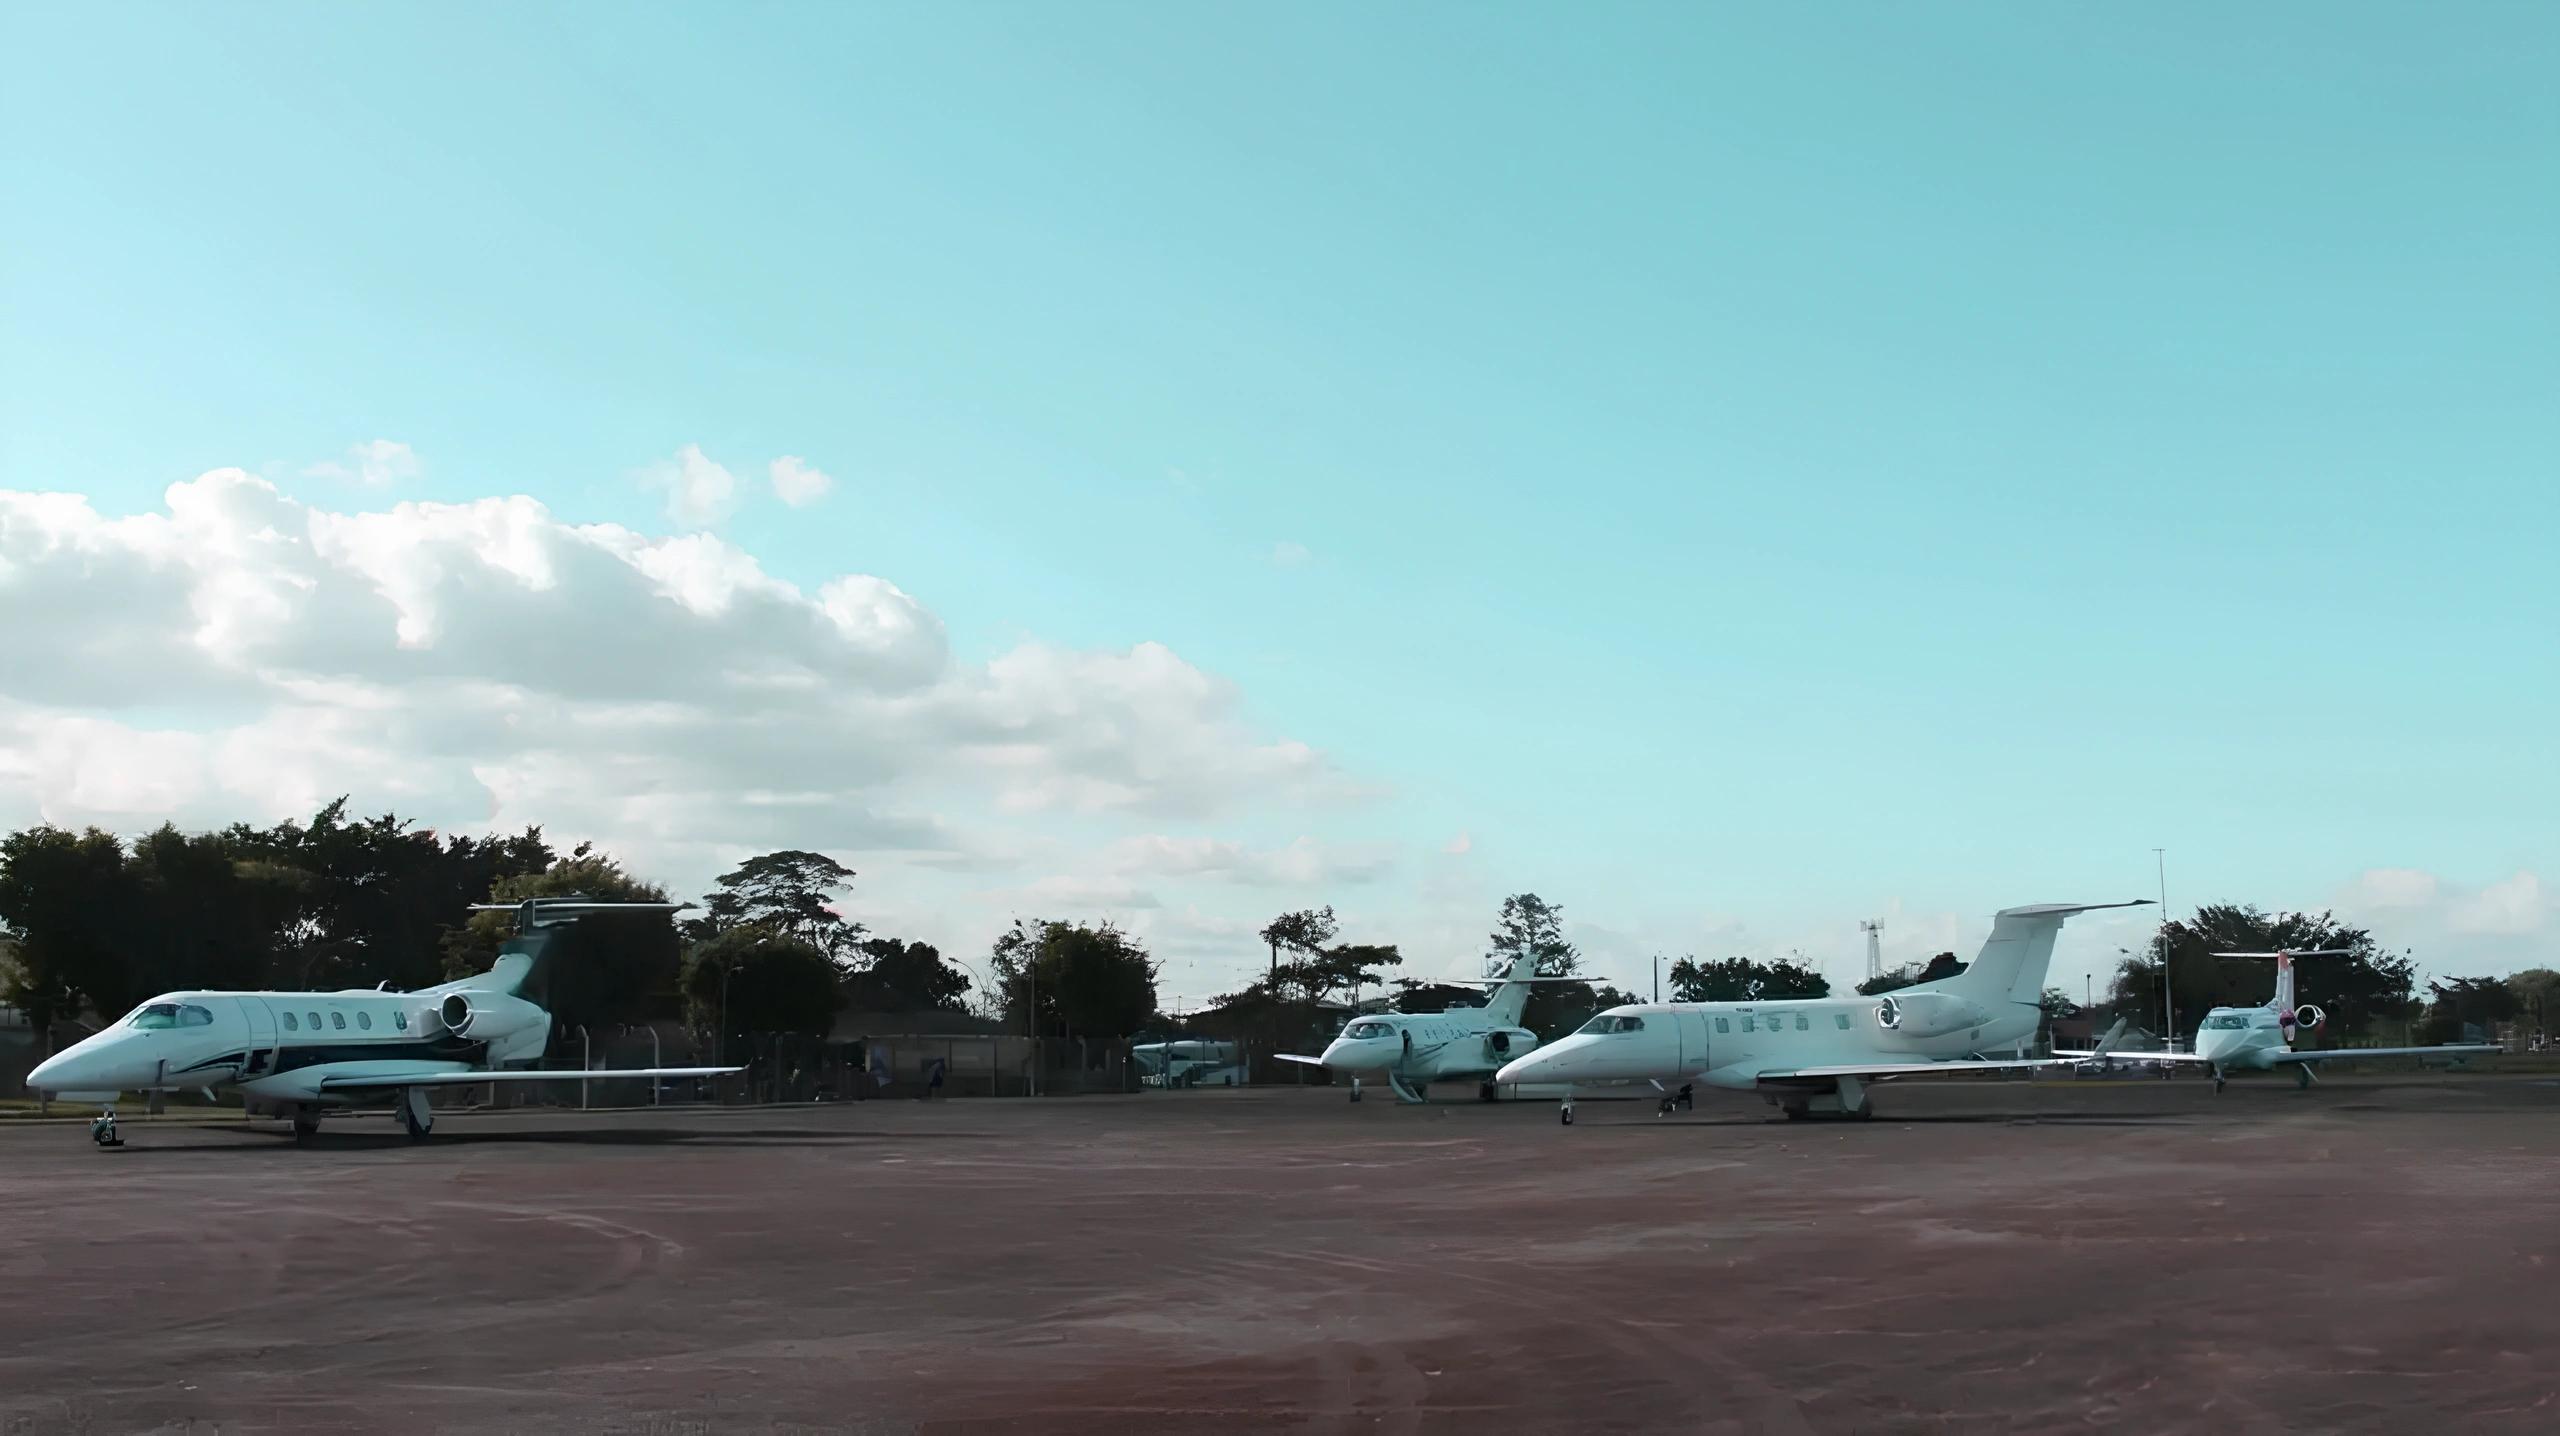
(1875, 952)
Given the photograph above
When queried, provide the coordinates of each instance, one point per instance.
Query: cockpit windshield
(1609, 1022)
(1358, 1030)
(171, 1014)
(2227, 1021)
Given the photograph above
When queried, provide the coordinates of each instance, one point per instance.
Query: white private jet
(1416, 1049)
(1819, 1053)
(305, 1052)
(2260, 1039)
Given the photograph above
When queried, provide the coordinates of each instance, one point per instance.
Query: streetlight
(2168, 1010)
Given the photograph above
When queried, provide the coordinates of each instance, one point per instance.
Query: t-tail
(2288, 1016)
(2012, 964)
(539, 922)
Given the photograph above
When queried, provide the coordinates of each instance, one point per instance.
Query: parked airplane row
(303, 1054)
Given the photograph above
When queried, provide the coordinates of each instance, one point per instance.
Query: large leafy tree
(788, 892)
(62, 897)
(899, 976)
(1343, 967)
(375, 895)
(1530, 924)
(1944, 965)
(752, 980)
(2537, 991)
(1740, 979)
(2364, 987)
(1303, 933)
(1068, 979)
(2467, 1009)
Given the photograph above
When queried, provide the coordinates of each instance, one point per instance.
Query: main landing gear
(1847, 1099)
(419, 1119)
(306, 1124)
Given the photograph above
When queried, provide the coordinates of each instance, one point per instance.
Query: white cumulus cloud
(375, 463)
(239, 655)
(700, 492)
(796, 483)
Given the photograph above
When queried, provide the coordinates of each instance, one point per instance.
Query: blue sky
(1754, 464)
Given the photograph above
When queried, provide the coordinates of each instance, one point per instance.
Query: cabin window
(338, 1020)
(1801, 1024)
(1723, 1026)
(1746, 1025)
(365, 1021)
(313, 1018)
(290, 1025)
(1842, 1018)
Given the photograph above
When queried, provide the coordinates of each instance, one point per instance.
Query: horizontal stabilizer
(378, 1081)
(1499, 981)
(2305, 952)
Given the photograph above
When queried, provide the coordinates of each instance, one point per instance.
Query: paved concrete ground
(2376, 1255)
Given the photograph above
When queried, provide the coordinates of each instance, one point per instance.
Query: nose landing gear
(1568, 1106)
(103, 1130)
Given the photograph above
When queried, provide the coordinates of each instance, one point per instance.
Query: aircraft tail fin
(539, 922)
(2012, 964)
(1506, 1002)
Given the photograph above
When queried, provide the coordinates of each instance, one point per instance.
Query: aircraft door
(261, 1058)
(1693, 1041)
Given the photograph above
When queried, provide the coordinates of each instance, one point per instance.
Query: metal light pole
(1657, 977)
(2168, 1011)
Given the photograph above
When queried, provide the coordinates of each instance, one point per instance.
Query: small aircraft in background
(2260, 1039)
(1808, 1054)
(310, 1052)
(1416, 1049)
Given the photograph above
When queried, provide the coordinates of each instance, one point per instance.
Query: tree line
(98, 924)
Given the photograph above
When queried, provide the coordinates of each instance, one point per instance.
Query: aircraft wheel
(1487, 1092)
(306, 1127)
(1795, 1113)
(1568, 1116)
(415, 1116)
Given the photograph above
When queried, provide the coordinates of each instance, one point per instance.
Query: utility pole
(2168, 1012)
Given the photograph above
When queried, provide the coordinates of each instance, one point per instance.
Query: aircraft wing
(1301, 1061)
(376, 1080)
(1908, 1069)
(2326, 1053)
(2131, 1056)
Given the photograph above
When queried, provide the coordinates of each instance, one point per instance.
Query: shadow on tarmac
(351, 1141)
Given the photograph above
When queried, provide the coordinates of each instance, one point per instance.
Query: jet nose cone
(1521, 1069)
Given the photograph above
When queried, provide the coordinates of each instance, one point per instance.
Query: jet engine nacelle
(488, 1016)
(2306, 1017)
(1504, 1043)
(1928, 1014)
